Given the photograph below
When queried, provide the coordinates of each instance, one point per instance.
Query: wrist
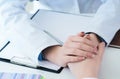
(48, 51)
(90, 75)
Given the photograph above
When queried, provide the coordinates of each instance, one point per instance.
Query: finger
(77, 52)
(81, 40)
(81, 34)
(81, 46)
(72, 59)
(101, 49)
(87, 36)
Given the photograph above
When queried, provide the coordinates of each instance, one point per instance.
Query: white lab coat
(15, 21)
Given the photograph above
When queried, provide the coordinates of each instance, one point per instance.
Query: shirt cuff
(41, 57)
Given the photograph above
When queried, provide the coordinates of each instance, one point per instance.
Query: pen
(53, 37)
(5, 46)
(34, 14)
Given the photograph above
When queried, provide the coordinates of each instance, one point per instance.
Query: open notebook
(13, 48)
(10, 52)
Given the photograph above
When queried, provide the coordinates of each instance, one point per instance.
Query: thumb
(101, 48)
(87, 36)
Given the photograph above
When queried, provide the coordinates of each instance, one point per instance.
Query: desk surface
(110, 68)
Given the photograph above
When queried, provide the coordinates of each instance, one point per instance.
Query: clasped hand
(76, 48)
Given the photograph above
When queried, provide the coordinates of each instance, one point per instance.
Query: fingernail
(83, 32)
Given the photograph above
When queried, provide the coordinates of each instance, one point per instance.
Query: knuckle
(82, 58)
(90, 55)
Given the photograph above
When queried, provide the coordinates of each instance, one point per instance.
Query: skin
(82, 53)
(75, 49)
(89, 67)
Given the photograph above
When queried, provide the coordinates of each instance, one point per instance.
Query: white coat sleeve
(14, 20)
(106, 21)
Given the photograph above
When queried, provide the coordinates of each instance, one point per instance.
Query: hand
(75, 49)
(89, 67)
(93, 37)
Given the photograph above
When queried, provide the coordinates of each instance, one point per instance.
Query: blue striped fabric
(4, 75)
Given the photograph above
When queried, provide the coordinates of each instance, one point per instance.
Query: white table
(110, 67)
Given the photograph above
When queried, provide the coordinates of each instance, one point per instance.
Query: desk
(110, 68)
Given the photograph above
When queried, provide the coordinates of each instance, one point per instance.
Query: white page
(61, 25)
